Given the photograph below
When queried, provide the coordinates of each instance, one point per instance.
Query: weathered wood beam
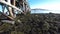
(4, 2)
(14, 2)
(23, 6)
(11, 18)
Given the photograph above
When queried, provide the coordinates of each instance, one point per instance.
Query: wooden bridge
(13, 7)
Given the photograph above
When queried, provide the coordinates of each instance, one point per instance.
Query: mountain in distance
(39, 10)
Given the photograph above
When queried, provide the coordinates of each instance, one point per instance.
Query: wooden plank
(8, 21)
(4, 2)
(11, 18)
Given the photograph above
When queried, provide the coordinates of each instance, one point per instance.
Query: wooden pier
(13, 7)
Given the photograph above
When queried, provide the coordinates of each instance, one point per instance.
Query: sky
(45, 4)
(53, 5)
(0, 8)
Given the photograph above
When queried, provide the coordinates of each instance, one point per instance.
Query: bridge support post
(10, 9)
(23, 5)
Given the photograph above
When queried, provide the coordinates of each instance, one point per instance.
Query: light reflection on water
(42, 11)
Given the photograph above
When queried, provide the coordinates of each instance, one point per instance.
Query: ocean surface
(45, 11)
